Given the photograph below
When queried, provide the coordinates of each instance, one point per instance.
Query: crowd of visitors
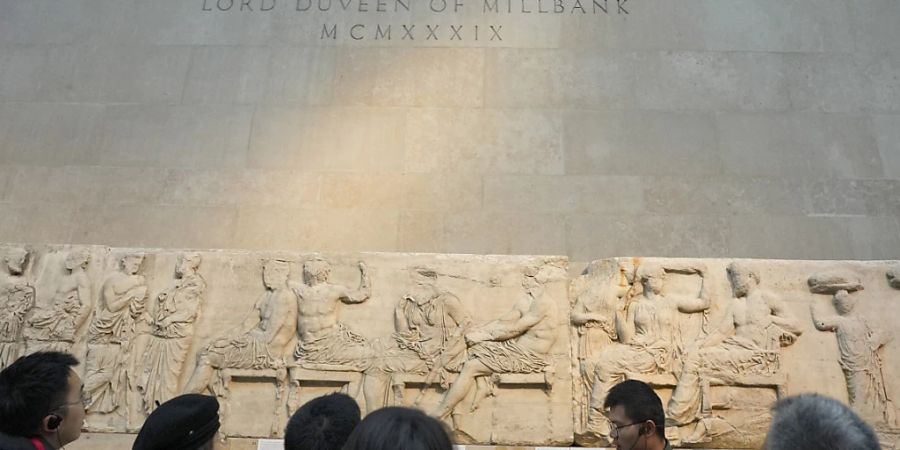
(42, 407)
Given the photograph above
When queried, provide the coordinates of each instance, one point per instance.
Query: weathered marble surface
(508, 350)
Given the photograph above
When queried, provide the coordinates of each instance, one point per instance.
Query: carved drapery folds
(504, 349)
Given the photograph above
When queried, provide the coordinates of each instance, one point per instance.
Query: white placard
(270, 444)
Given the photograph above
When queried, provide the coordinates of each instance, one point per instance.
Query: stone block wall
(691, 128)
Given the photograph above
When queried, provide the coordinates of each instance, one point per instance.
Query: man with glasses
(41, 402)
(636, 417)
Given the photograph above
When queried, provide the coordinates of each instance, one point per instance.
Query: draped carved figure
(109, 371)
(594, 317)
(429, 322)
(518, 342)
(861, 346)
(171, 332)
(323, 338)
(257, 343)
(55, 328)
(16, 301)
(747, 341)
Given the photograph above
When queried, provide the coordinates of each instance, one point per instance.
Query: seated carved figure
(518, 342)
(647, 343)
(55, 328)
(323, 338)
(259, 342)
(747, 341)
(428, 342)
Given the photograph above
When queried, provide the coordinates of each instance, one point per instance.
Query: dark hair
(324, 423)
(810, 421)
(397, 428)
(640, 402)
(31, 388)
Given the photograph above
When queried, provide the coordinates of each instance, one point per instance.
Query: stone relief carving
(324, 339)
(429, 323)
(480, 341)
(893, 276)
(747, 341)
(55, 328)
(861, 346)
(259, 342)
(171, 332)
(649, 338)
(518, 342)
(16, 301)
(593, 316)
(109, 364)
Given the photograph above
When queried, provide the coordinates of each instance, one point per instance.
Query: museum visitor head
(397, 428)
(815, 422)
(186, 422)
(42, 399)
(636, 417)
(323, 423)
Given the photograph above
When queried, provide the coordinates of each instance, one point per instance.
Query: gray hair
(814, 422)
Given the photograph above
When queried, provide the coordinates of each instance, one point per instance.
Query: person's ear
(51, 422)
(648, 427)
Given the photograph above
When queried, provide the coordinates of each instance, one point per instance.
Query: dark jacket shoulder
(8, 442)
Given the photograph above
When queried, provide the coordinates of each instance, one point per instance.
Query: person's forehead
(616, 414)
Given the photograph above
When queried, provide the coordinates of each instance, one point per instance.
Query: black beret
(183, 423)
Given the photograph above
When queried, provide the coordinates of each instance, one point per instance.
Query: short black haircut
(31, 388)
(323, 423)
(640, 402)
(397, 428)
(815, 422)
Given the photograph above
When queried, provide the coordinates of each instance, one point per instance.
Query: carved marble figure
(517, 342)
(122, 302)
(171, 333)
(594, 318)
(55, 328)
(861, 346)
(16, 301)
(430, 323)
(259, 342)
(648, 340)
(747, 341)
(323, 338)
(893, 276)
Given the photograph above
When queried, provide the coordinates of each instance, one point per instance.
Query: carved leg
(460, 388)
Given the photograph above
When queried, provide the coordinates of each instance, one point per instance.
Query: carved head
(187, 263)
(652, 277)
(131, 263)
(742, 279)
(424, 284)
(535, 278)
(316, 271)
(893, 276)
(625, 277)
(275, 273)
(16, 258)
(77, 258)
(844, 302)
